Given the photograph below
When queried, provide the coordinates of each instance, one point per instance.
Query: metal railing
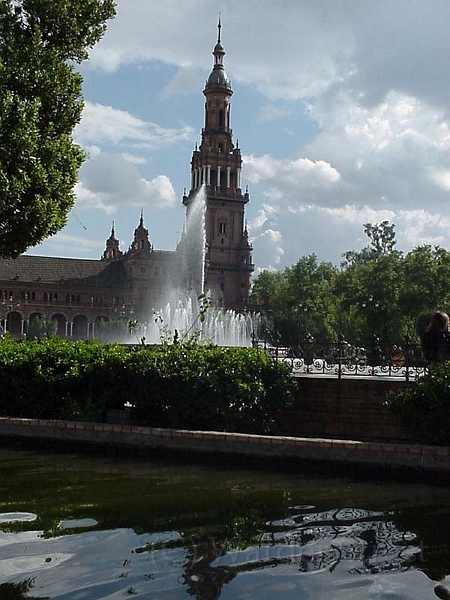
(341, 359)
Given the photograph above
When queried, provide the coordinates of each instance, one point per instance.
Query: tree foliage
(40, 104)
(382, 242)
(378, 293)
(299, 300)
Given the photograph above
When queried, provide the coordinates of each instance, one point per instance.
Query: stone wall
(414, 459)
(347, 408)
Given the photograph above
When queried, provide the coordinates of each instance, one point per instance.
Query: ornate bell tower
(216, 164)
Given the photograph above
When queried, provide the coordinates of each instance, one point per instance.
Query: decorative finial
(219, 27)
(141, 221)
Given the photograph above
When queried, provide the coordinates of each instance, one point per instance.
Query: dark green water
(81, 527)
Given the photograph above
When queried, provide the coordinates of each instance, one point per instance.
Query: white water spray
(179, 312)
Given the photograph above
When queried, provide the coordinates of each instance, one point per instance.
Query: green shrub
(183, 385)
(424, 407)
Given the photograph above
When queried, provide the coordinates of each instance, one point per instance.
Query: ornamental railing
(341, 359)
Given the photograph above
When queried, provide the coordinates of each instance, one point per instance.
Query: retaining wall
(351, 407)
(415, 458)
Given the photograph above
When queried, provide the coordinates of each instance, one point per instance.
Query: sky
(341, 109)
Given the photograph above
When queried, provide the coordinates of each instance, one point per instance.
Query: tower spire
(112, 250)
(219, 27)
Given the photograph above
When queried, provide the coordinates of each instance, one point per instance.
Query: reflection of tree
(202, 580)
(368, 541)
(18, 591)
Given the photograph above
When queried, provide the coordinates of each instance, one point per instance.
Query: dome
(218, 78)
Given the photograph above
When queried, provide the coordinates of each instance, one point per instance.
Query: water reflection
(110, 528)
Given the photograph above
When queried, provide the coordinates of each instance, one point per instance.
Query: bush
(184, 385)
(424, 408)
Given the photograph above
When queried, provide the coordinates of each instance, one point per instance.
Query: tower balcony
(222, 192)
(220, 129)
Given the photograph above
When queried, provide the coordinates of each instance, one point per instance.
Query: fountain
(186, 310)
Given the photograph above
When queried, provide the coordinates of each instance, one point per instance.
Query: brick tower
(216, 165)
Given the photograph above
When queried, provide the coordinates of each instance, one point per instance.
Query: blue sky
(341, 110)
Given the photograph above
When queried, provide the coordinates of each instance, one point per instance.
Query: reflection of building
(78, 294)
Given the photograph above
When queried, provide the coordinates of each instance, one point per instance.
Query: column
(203, 174)
(218, 176)
(208, 174)
(192, 179)
(238, 182)
(228, 176)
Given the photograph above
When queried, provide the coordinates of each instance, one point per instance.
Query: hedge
(424, 407)
(186, 385)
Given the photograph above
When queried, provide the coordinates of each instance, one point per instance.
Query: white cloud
(268, 245)
(184, 82)
(298, 173)
(418, 227)
(278, 51)
(68, 245)
(133, 158)
(262, 217)
(300, 51)
(102, 124)
(108, 182)
(271, 112)
(373, 77)
(441, 178)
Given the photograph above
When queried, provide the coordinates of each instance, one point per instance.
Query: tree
(269, 297)
(311, 299)
(40, 104)
(426, 289)
(298, 301)
(382, 237)
(382, 242)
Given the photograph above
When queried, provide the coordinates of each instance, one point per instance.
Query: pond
(83, 527)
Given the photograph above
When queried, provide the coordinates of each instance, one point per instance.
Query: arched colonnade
(78, 326)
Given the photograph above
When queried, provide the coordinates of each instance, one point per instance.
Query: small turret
(141, 242)
(112, 250)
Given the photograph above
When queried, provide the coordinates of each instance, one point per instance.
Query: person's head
(439, 322)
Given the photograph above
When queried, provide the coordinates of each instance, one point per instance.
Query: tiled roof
(72, 271)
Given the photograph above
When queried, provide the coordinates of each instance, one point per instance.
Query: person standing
(436, 339)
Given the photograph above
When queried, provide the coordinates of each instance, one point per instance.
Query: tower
(216, 164)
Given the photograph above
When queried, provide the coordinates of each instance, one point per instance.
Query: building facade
(79, 296)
